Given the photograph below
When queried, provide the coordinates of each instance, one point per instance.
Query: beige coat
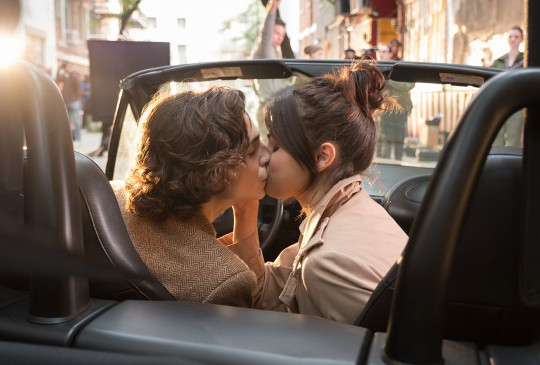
(188, 260)
(346, 246)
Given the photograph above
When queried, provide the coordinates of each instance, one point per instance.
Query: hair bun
(362, 85)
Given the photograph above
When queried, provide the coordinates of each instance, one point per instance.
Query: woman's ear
(325, 156)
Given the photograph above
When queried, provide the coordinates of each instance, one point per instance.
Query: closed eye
(253, 146)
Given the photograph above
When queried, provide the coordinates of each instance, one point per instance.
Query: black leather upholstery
(483, 303)
(403, 200)
(107, 241)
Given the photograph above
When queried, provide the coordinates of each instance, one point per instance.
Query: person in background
(198, 154)
(514, 57)
(322, 136)
(510, 132)
(68, 83)
(272, 34)
(385, 53)
(395, 48)
(350, 54)
(393, 123)
(268, 46)
(314, 52)
(85, 94)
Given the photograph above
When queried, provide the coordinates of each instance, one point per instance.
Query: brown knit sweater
(188, 260)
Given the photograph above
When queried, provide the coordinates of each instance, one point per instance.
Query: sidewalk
(89, 142)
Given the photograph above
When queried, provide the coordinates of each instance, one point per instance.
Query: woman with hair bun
(322, 136)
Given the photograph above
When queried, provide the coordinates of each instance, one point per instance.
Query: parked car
(465, 290)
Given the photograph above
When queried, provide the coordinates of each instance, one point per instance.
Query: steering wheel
(268, 220)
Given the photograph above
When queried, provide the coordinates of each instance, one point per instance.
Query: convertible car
(465, 291)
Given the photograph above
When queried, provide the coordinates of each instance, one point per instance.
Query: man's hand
(247, 208)
(245, 219)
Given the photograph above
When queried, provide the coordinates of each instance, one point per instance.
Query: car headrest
(106, 238)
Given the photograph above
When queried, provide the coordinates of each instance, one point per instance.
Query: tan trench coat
(346, 246)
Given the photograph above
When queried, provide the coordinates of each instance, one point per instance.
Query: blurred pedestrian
(272, 34)
(84, 87)
(514, 58)
(314, 51)
(394, 122)
(510, 132)
(395, 48)
(268, 45)
(350, 54)
(385, 53)
(68, 82)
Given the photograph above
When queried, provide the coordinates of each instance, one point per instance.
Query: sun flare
(11, 49)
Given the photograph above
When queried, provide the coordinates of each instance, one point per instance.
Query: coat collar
(312, 229)
(338, 195)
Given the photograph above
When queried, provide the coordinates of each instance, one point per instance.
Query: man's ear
(325, 156)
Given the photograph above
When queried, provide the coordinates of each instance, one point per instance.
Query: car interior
(465, 291)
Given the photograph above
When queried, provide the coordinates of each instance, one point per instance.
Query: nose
(265, 156)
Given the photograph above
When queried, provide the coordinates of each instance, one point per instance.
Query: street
(89, 142)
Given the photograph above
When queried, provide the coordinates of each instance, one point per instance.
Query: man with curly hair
(198, 154)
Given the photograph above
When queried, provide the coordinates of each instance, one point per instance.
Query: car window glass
(412, 135)
(417, 131)
(257, 92)
(511, 133)
(127, 150)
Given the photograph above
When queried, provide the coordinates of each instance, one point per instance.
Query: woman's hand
(273, 5)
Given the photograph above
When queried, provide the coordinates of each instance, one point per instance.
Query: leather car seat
(484, 304)
(106, 240)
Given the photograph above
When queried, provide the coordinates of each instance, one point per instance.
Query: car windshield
(412, 135)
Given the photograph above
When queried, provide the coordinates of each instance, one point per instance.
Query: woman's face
(514, 38)
(286, 178)
(278, 36)
(252, 176)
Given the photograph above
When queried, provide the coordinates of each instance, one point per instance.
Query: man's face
(251, 178)
(384, 53)
(278, 36)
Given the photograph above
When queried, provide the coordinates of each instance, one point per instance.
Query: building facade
(458, 31)
(73, 22)
(38, 23)
(338, 25)
(446, 31)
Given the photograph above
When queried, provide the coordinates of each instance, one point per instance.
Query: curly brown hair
(190, 147)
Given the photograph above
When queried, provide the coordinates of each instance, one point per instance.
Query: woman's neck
(513, 52)
(512, 56)
(313, 195)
